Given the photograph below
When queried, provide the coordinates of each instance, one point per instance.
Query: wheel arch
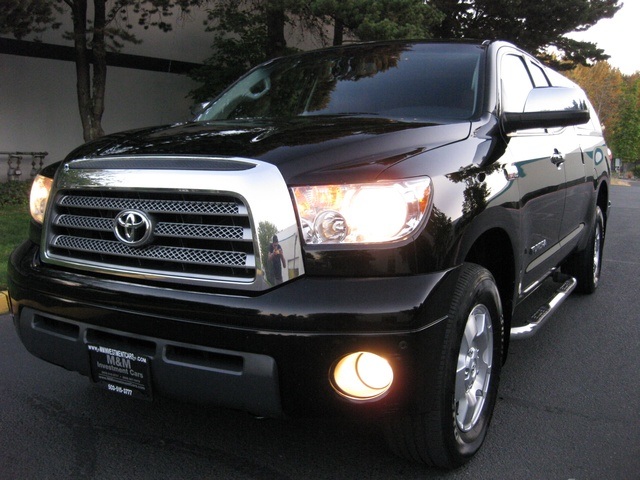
(494, 250)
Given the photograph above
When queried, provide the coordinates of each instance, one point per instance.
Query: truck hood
(306, 149)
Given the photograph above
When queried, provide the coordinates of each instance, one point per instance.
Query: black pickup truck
(350, 231)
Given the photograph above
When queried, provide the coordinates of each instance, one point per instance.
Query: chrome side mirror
(549, 107)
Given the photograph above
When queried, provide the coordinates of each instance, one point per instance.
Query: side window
(539, 78)
(516, 83)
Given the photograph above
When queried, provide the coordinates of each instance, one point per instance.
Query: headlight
(39, 195)
(362, 213)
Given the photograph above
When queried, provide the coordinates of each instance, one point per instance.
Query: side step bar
(545, 311)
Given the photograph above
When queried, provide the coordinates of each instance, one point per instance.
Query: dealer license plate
(120, 371)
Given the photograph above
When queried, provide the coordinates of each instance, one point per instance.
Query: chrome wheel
(473, 372)
(597, 245)
(458, 404)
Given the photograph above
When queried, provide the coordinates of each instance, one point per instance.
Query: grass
(14, 221)
(15, 228)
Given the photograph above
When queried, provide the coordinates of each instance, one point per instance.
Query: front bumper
(269, 354)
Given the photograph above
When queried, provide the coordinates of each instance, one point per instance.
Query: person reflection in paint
(276, 261)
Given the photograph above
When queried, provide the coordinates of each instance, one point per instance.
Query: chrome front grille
(207, 236)
(212, 220)
(151, 205)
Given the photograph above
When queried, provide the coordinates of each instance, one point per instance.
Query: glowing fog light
(39, 196)
(362, 376)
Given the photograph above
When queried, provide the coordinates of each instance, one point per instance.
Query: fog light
(362, 376)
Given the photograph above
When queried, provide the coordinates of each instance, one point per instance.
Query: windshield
(410, 82)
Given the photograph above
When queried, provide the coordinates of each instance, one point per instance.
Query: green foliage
(380, 20)
(247, 33)
(15, 229)
(20, 18)
(15, 193)
(24, 17)
(603, 85)
(534, 26)
(239, 43)
(616, 99)
(625, 138)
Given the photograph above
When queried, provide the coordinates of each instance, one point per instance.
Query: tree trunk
(276, 19)
(90, 94)
(338, 31)
(99, 68)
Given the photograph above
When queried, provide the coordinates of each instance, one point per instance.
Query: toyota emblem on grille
(133, 227)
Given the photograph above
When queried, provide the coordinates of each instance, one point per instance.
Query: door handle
(511, 171)
(557, 158)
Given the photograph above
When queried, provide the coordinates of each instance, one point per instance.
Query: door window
(516, 83)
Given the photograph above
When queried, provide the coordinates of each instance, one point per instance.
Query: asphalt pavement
(569, 408)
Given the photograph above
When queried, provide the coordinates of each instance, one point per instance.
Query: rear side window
(538, 75)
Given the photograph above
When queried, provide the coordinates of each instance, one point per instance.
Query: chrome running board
(545, 311)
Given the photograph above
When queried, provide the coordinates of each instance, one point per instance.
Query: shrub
(636, 171)
(15, 193)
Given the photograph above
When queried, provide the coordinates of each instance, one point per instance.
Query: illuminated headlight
(362, 376)
(39, 195)
(362, 213)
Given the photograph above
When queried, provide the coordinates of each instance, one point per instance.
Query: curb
(4, 302)
(620, 183)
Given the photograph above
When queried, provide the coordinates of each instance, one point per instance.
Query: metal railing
(17, 161)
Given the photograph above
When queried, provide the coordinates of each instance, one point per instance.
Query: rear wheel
(451, 433)
(586, 265)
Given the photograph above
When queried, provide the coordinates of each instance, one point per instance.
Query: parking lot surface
(569, 408)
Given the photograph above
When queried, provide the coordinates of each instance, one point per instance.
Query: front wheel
(450, 434)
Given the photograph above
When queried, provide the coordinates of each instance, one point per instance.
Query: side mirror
(549, 107)
(199, 108)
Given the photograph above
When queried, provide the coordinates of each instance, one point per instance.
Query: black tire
(449, 435)
(586, 265)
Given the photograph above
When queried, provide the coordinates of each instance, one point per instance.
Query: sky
(619, 37)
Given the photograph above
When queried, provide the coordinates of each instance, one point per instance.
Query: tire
(586, 265)
(450, 434)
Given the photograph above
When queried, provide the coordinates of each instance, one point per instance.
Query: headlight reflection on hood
(362, 213)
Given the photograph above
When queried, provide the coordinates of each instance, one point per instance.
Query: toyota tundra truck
(350, 231)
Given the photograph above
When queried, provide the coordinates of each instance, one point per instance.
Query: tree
(247, 32)
(603, 84)
(378, 20)
(534, 26)
(98, 26)
(616, 99)
(20, 17)
(625, 137)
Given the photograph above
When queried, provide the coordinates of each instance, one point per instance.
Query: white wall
(39, 107)
(38, 110)
(38, 103)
